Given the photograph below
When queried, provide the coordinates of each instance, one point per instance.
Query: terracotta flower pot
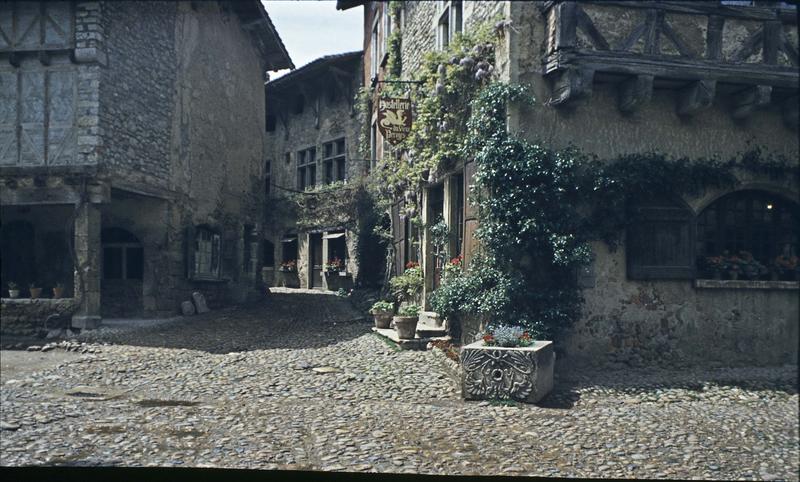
(406, 326)
(58, 293)
(382, 319)
(35, 293)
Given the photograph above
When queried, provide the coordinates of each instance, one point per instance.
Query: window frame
(213, 242)
(307, 168)
(332, 161)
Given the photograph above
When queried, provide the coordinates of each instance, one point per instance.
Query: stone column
(87, 253)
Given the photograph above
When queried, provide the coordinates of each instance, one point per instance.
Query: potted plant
(13, 290)
(712, 266)
(785, 267)
(289, 266)
(507, 363)
(333, 266)
(751, 268)
(405, 322)
(35, 291)
(732, 265)
(58, 291)
(382, 313)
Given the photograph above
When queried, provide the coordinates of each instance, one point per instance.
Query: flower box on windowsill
(745, 284)
(524, 374)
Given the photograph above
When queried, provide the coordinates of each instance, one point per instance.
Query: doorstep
(416, 343)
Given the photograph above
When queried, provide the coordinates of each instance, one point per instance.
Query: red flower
(488, 338)
(412, 264)
(457, 260)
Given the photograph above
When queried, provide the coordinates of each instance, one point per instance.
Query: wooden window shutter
(660, 242)
(470, 210)
(188, 251)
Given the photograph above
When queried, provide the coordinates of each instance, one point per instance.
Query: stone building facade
(131, 150)
(687, 79)
(312, 134)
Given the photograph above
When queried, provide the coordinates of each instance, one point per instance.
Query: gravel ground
(292, 384)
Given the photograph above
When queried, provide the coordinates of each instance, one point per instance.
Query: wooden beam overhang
(696, 96)
(748, 100)
(634, 92)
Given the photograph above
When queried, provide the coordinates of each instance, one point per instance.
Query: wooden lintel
(634, 92)
(750, 99)
(570, 84)
(790, 112)
(714, 37)
(772, 41)
(696, 96)
(44, 57)
(566, 25)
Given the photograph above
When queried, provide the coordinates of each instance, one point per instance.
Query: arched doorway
(123, 273)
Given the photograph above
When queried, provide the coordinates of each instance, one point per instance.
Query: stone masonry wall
(337, 119)
(638, 322)
(24, 317)
(137, 87)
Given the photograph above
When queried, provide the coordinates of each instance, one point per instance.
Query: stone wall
(24, 317)
(639, 322)
(137, 87)
(323, 120)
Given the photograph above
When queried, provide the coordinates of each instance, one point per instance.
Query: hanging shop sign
(394, 119)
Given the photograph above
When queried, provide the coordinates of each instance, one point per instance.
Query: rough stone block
(187, 308)
(524, 374)
(200, 302)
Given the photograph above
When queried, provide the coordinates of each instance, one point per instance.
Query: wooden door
(315, 253)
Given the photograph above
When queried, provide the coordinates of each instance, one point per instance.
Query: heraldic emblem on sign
(394, 119)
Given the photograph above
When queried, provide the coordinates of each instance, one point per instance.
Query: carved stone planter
(498, 373)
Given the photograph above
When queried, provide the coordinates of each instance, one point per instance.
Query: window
(374, 54)
(758, 222)
(206, 253)
(449, 24)
(387, 27)
(123, 255)
(267, 177)
(306, 168)
(289, 250)
(334, 160)
(659, 241)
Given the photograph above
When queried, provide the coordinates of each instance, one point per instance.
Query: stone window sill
(198, 279)
(28, 301)
(745, 284)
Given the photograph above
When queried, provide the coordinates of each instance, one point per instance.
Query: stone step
(430, 318)
(429, 331)
(417, 343)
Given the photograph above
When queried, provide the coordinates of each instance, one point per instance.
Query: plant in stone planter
(382, 313)
(289, 266)
(405, 322)
(751, 268)
(732, 265)
(333, 266)
(58, 290)
(35, 290)
(711, 266)
(507, 336)
(13, 290)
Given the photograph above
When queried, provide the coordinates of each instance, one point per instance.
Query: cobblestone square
(299, 382)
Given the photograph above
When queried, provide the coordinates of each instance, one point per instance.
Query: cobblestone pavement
(287, 384)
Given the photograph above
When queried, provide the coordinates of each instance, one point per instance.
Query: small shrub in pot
(406, 321)
(382, 313)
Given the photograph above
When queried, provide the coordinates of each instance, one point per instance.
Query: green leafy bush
(408, 285)
(408, 310)
(382, 307)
